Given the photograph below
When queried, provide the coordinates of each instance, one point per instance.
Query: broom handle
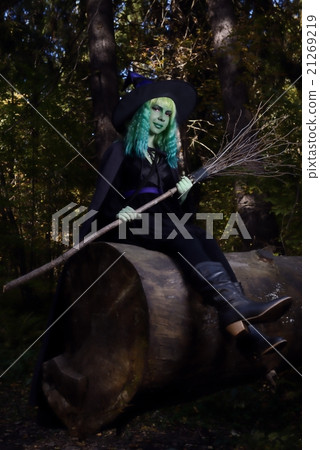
(65, 256)
(199, 174)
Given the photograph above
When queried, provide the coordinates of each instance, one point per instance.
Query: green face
(159, 117)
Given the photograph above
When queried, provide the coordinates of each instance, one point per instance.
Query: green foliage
(40, 171)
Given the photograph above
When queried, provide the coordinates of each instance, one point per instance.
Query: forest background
(69, 58)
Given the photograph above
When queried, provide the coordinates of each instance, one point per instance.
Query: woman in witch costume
(141, 167)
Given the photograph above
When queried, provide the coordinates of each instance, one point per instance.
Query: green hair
(136, 139)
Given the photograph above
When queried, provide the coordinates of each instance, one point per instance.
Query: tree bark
(141, 329)
(222, 19)
(104, 85)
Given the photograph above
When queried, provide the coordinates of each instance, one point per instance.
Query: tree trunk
(141, 329)
(104, 85)
(222, 20)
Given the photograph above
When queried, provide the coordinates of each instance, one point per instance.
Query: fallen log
(136, 328)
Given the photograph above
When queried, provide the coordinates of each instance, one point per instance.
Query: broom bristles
(254, 150)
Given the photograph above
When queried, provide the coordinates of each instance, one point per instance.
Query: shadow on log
(141, 329)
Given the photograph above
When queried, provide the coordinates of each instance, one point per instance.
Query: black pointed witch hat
(182, 93)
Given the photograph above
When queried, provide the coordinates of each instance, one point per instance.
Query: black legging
(194, 251)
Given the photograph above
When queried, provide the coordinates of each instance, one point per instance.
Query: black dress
(168, 225)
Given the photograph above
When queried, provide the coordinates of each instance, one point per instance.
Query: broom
(252, 151)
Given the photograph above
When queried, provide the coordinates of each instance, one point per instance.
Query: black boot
(255, 344)
(235, 310)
